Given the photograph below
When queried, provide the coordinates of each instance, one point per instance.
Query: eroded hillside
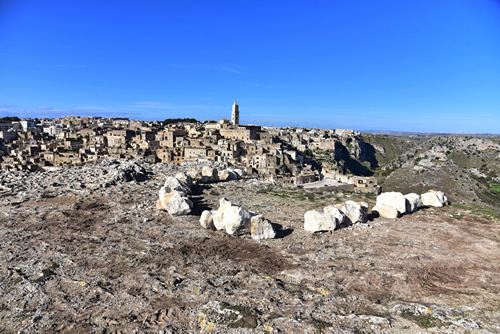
(466, 168)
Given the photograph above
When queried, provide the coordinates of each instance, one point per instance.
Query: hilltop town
(283, 155)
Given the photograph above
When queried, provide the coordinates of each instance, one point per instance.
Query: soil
(108, 261)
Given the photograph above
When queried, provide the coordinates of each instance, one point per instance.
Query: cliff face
(364, 154)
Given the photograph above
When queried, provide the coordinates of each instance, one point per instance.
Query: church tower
(235, 114)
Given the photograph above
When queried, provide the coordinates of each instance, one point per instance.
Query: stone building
(235, 114)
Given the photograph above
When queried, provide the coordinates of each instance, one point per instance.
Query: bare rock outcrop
(123, 171)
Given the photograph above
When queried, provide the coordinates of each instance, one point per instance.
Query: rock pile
(123, 171)
(389, 205)
(212, 174)
(395, 204)
(347, 213)
(237, 221)
(173, 195)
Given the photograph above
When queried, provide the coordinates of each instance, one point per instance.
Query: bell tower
(235, 114)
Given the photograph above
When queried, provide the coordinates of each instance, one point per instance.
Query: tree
(9, 119)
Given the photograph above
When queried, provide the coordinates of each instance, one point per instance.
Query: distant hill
(466, 168)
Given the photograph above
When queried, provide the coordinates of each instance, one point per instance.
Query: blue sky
(428, 65)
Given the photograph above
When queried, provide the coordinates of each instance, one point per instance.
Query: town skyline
(412, 67)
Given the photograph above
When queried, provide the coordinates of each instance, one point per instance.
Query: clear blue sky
(427, 65)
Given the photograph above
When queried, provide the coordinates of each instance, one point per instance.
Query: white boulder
(336, 212)
(393, 199)
(172, 184)
(223, 175)
(164, 196)
(261, 228)
(434, 198)
(355, 212)
(386, 211)
(218, 216)
(175, 203)
(390, 205)
(179, 206)
(208, 174)
(315, 221)
(195, 174)
(206, 219)
(235, 220)
(413, 202)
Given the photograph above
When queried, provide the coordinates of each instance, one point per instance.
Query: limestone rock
(394, 200)
(434, 198)
(208, 174)
(355, 212)
(206, 220)
(413, 202)
(223, 175)
(124, 171)
(218, 216)
(261, 228)
(235, 220)
(164, 196)
(179, 206)
(386, 211)
(194, 173)
(224, 203)
(232, 174)
(173, 184)
(239, 173)
(315, 221)
(184, 179)
(174, 202)
(337, 213)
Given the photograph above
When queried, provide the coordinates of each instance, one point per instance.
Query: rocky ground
(84, 249)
